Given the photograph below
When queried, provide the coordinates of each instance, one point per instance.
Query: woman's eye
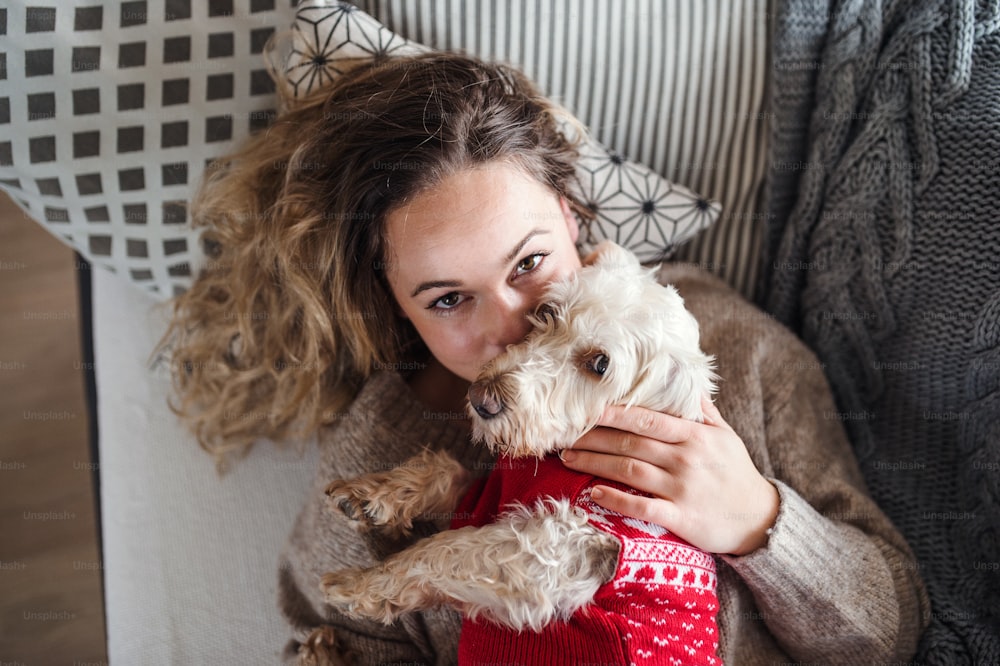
(530, 263)
(448, 301)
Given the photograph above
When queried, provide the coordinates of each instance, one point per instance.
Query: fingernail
(567, 455)
(596, 493)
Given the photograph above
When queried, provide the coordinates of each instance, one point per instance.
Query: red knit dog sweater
(659, 608)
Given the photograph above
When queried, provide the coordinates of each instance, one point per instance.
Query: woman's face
(470, 258)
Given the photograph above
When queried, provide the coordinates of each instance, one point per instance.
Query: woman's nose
(509, 323)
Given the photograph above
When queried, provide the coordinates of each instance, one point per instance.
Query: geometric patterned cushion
(635, 207)
(109, 112)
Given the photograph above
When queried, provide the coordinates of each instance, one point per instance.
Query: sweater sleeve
(324, 636)
(341, 641)
(817, 571)
(836, 583)
(384, 427)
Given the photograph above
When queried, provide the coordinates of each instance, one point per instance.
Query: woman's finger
(711, 412)
(603, 439)
(647, 423)
(648, 477)
(650, 509)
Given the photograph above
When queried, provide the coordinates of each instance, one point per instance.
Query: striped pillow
(678, 86)
(633, 206)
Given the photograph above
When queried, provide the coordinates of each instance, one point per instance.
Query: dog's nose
(483, 401)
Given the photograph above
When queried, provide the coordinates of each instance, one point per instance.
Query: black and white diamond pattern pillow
(635, 207)
(110, 111)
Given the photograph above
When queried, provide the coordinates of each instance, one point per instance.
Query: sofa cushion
(677, 86)
(633, 205)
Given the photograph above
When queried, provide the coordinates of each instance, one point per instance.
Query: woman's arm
(840, 566)
(330, 638)
(339, 645)
(383, 428)
(834, 581)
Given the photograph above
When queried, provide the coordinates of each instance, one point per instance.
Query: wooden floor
(51, 610)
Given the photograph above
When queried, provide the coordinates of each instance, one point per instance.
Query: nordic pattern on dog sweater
(659, 608)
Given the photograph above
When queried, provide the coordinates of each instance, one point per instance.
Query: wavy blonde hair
(292, 311)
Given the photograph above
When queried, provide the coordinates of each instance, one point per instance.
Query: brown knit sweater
(836, 584)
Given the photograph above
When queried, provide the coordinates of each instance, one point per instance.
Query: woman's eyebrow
(434, 284)
(424, 286)
(524, 241)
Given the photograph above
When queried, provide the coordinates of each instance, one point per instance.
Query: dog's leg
(320, 649)
(531, 567)
(428, 485)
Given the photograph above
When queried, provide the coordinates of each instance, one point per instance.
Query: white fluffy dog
(610, 335)
(607, 335)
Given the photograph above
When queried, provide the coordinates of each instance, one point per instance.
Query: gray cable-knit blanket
(884, 255)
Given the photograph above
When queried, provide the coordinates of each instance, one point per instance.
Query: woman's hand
(704, 487)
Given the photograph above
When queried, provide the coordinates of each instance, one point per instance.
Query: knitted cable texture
(888, 265)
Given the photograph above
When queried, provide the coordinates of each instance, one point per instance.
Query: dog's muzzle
(482, 398)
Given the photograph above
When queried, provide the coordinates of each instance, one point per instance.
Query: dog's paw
(355, 501)
(321, 648)
(340, 587)
(342, 496)
(358, 594)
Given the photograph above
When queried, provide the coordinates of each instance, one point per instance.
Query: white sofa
(189, 557)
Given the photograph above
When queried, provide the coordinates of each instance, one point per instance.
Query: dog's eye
(598, 364)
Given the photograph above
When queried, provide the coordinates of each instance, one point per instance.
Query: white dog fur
(609, 334)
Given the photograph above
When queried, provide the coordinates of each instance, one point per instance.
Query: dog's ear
(545, 315)
(609, 254)
(591, 258)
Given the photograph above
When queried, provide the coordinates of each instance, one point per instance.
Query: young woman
(382, 241)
